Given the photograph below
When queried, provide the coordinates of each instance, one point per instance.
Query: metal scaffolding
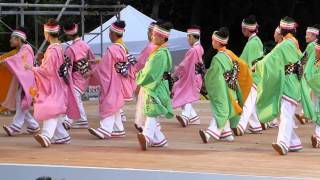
(82, 10)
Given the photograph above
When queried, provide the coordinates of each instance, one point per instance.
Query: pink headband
(194, 31)
(221, 40)
(250, 27)
(19, 34)
(313, 30)
(287, 25)
(51, 29)
(161, 32)
(116, 29)
(72, 31)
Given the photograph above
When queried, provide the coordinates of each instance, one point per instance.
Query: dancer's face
(310, 37)
(191, 39)
(158, 40)
(15, 42)
(277, 37)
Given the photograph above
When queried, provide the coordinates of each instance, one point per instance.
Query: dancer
(113, 75)
(223, 80)
(79, 53)
(282, 70)
(314, 83)
(189, 74)
(156, 89)
(252, 53)
(54, 96)
(141, 61)
(24, 80)
(308, 61)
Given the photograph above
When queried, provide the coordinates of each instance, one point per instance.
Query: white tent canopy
(135, 35)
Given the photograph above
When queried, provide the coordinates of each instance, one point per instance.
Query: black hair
(166, 26)
(70, 26)
(284, 32)
(223, 32)
(23, 29)
(120, 24)
(251, 20)
(195, 27)
(317, 26)
(52, 22)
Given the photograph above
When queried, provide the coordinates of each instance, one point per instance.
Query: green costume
(252, 51)
(310, 59)
(157, 100)
(314, 83)
(274, 83)
(219, 93)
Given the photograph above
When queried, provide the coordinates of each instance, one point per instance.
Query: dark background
(208, 14)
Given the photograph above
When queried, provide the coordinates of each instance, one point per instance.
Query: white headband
(19, 34)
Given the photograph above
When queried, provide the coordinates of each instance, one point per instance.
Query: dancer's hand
(27, 66)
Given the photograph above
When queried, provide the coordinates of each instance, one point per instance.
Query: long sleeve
(187, 61)
(153, 70)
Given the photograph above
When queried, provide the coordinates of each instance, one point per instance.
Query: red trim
(164, 141)
(104, 132)
(213, 134)
(242, 129)
(290, 100)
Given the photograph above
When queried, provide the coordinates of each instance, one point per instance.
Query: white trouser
(286, 135)
(190, 114)
(53, 128)
(218, 133)
(249, 115)
(140, 117)
(316, 102)
(112, 126)
(152, 132)
(22, 116)
(83, 117)
(123, 116)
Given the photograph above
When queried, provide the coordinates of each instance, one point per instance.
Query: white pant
(53, 128)
(249, 114)
(152, 132)
(317, 131)
(140, 117)
(83, 117)
(316, 102)
(286, 135)
(22, 116)
(216, 132)
(190, 114)
(112, 126)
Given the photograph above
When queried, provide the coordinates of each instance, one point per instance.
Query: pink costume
(78, 51)
(187, 88)
(54, 97)
(143, 57)
(115, 89)
(26, 78)
(23, 98)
